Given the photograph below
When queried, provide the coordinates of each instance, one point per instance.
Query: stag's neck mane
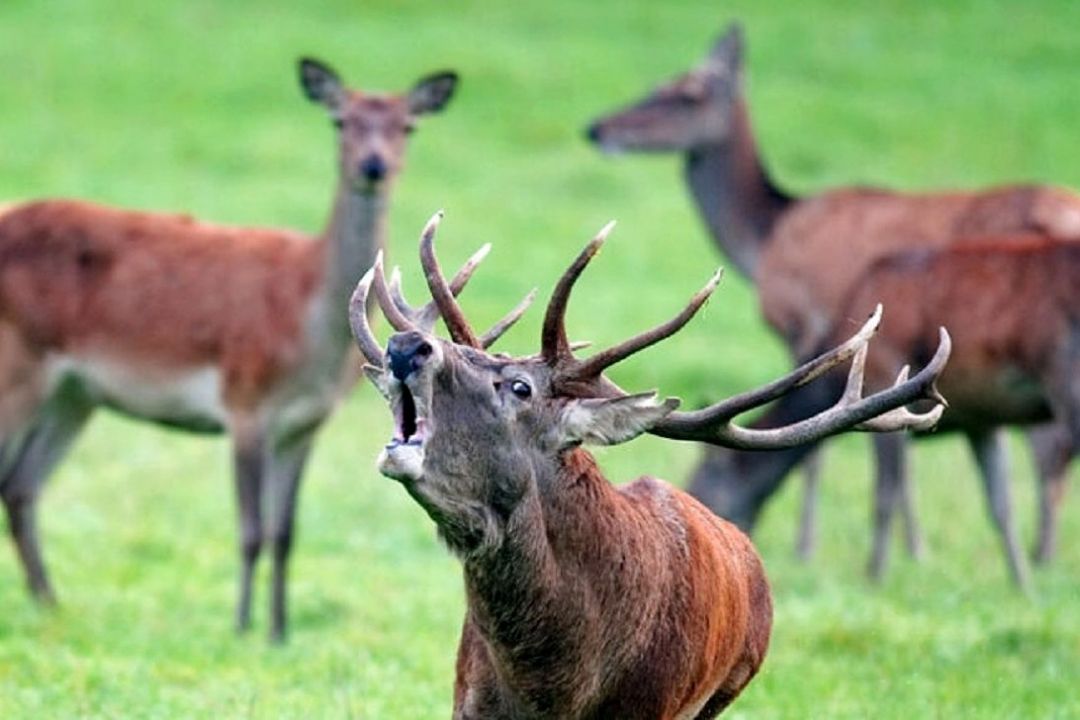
(355, 232)
(543, 596)
(734, 193)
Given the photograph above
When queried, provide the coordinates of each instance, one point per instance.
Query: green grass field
(194, 106)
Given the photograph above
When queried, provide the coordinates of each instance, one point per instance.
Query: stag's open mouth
(409, 424)
(403, 456)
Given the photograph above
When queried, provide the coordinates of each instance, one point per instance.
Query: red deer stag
(804, 253)
(585, 600)
(197, 326)
(1014, 307)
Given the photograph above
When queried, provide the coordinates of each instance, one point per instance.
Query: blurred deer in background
(1013, 305)
(585, 600)
(196, 326)
(804, 253)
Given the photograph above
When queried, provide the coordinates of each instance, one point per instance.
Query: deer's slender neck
(734, 194)
(355, 232)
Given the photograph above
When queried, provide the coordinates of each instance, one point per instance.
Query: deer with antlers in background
(585, 600)
(805, 253)
(196, 326)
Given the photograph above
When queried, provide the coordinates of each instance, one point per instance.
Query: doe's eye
(521, 389)
(338, 123)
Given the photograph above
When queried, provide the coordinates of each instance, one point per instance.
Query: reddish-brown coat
(666, 605)
(1011, 304)
(823, 244)
(74, 277)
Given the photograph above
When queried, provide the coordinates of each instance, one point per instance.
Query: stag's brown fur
(647, 606)
(584, 600)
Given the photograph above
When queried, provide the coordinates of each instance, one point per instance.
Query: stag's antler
(403, 316)
(879, 412)
(570, 377)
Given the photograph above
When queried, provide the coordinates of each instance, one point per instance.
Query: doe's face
(372, 133)
(692, 110)
(373, 128)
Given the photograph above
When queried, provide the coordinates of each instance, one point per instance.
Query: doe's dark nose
(593, 132)
(407, 351)
(373, 168)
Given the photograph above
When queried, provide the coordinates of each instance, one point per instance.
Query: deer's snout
(407, 352)
(373, 168)
(592, 133)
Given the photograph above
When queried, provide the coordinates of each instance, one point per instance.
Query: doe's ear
(431, 93)
(610, 421)
(320, 83)
(728, 50)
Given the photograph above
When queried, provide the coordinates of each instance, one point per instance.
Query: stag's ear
(432, 92)
(321, 84)
(604, 421)
(727, 51)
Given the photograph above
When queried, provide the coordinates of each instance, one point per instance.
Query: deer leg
(249, 461)
(890, 455)
(990, 453)
(34, 455)
(284, 473)
(1052, 449)
(806, 541)
(913, 537)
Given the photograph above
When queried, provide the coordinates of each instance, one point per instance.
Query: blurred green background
(194, 106)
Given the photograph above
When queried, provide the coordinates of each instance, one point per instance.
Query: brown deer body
(1014, 307)
(202, 327)
(804, 253)
(584, 600)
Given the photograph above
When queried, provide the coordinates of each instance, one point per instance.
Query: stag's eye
(521, 389)
(409, 128)
(338, 123)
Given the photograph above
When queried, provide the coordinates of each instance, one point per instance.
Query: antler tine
(426, 316)
(365, 339)
(554, 346)
(903, 419)
(397, 319)
(726, 410)
(451, 312)
(714, 424)
(497, 330)
(596, 364)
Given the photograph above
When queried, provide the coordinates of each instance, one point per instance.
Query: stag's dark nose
(407, 351)
(373, 168)
(593, 133)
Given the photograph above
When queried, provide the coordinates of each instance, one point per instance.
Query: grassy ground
(194, 106)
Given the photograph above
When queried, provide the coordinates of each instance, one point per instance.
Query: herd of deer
(585, 600)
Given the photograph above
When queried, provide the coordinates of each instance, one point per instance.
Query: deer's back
(1010, 304)
(79, 277)
(824, 243)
